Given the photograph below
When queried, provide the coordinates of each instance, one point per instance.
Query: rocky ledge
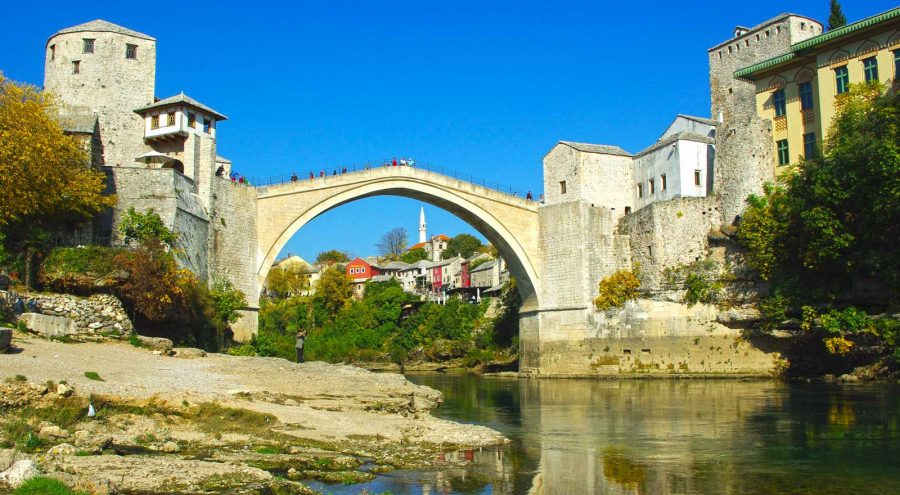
(209, 424)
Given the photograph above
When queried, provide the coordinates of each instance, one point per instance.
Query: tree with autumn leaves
(46, 181)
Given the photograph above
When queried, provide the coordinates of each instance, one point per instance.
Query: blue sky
(483, 88)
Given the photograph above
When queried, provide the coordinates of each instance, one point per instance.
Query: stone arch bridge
(509, 222)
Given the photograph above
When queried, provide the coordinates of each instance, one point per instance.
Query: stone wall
(97, 314)
(744, 149)
(667, 234)
(652, 337)
(233, 246)
(108, 85)
(173, 197)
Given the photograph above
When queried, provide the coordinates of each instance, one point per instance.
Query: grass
(92, 375)
(145, 439)
(134, 340)
(268, 450)
(45, 486)
(17, 378)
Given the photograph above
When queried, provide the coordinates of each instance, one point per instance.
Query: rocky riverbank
(210, 424)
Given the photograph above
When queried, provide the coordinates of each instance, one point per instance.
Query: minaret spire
(422, 236)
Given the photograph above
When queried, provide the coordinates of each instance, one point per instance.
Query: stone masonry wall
(108, 85)
(98, 314)
(744, 160)
(233, 246)
(667, 234)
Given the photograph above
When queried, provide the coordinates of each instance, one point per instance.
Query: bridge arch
(509, 223)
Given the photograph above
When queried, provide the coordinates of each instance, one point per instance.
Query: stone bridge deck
(508, 221)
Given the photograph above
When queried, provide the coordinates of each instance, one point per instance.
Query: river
(662, 437)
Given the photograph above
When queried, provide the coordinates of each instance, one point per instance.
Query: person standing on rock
(301, 337)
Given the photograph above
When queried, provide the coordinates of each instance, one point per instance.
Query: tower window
(806, 96)
(562, 187)
(170, 119)
(192, 120)
(130, 51)
(207, 125)
(780, 103)
(154, 122)
(652, 186)
(640, 190)
(88, 45)
(76, 67)
(841, 79)
(696, 177)
(784, 157)
(52, 52)
(662, 181)
(870, 69)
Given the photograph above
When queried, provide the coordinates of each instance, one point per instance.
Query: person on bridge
(311, 176)
(394, 162)
(301, 338)
(294, 177)
(528, 196)
(343, 170)
(403, 162)
(322, 173)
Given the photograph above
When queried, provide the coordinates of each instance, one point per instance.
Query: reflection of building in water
(637, 438)
(468, 470)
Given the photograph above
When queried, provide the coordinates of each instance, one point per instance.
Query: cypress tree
(836, 19)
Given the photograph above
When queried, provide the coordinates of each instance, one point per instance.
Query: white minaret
(422, 236)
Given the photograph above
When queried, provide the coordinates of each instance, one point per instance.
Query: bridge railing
(369, 165)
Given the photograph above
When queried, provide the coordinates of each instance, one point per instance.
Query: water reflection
(663, 437)
(672, 437)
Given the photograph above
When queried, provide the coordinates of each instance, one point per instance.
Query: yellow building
(796, 91)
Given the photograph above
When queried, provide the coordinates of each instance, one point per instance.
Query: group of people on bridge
(403, 162)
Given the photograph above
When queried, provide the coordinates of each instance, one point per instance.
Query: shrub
(617, 288)
(81, 269)
(145, 228)
(45, 486)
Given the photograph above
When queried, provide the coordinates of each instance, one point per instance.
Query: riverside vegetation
(377, 329)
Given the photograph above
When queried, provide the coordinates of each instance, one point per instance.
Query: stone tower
(104, 70)
(744, 150)
(422, 231)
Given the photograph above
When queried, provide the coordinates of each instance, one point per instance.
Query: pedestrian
(528, 196)
(294, 177)
(241, 180)
(311, 176)
(322, 173)
(403, 162)
(334, 173)
(233, 178)
(394, 162)
(343, 170)
(301, 338)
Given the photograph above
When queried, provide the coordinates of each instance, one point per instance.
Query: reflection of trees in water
(680, 436)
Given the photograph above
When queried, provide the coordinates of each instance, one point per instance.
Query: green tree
(47, 185)
(142, 227)
(838, 216)
(333, 290)
(332, 257)
(836, 18)
(414, 255)
(464, 245)
(393, 243)
(288, 280)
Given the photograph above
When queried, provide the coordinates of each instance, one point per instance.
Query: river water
(662, 437)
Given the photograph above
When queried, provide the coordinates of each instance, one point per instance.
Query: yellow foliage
(616, 289)
(838, 345)
(43, 172)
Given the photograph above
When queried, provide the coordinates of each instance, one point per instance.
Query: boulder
(189, 352)
(19, 473)
(162, 345)
(64, 390)
(49, 326)
(53, 432)
(170, 447)
(5, 339)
